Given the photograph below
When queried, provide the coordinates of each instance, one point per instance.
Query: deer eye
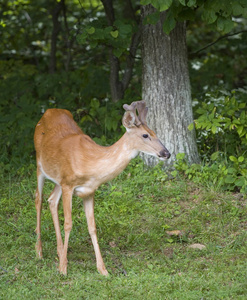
(145, 136)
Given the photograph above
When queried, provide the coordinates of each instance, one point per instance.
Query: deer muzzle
(164, 153)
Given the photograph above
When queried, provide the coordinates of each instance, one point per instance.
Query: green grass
(133, 214)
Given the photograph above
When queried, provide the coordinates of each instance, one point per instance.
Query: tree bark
(166, 88)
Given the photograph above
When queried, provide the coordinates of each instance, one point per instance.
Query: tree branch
(108, 6)
(115, 84)
(131, 59)
(216, 41)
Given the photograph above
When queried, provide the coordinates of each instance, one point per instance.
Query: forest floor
(160, 239)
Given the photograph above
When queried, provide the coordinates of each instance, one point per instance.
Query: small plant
(230, 175)
(237, 174)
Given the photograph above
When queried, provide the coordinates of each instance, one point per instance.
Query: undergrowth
(219, 174)
(146, 225)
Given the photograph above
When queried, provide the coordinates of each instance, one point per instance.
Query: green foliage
(18, 113)
(237, 174)
(216, 62)
(101, 120)
(160, 5)
(26, 33)
(222, 123)
(26, 94)
(222, 139)
(216, 13)
(117, 36)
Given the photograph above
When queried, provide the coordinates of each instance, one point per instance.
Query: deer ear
(128, 120)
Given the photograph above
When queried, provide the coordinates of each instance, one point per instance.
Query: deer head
(143, 138)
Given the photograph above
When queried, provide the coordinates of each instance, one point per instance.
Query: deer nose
(165, 153)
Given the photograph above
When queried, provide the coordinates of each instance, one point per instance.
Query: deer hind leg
(67, 207)
(53, 204)
(38, 206)
(89, 212)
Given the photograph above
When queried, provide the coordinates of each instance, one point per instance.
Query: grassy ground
(146, 225)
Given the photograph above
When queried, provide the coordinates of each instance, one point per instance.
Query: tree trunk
(118, 86)
(166, 88)
(55, 31)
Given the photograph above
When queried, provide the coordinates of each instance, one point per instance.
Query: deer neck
(115, 158)
(109, 162)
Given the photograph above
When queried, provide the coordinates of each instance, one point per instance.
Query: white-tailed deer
(77, 165)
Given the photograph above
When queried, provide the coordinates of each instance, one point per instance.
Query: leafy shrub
(222, 139)
(221, 123)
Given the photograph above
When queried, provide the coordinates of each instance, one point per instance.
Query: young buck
(77, 165)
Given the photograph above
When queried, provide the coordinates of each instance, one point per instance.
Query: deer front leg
(38, 206)
(67, 207)
(53, 204)
(89, 212)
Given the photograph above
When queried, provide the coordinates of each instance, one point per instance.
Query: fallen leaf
(197, 246)
(113, 244)
(175, 232)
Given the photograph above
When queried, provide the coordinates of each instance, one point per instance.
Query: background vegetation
(146, 219)
(56, 55)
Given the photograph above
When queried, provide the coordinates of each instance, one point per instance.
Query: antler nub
(142, 111)
(140, 106)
